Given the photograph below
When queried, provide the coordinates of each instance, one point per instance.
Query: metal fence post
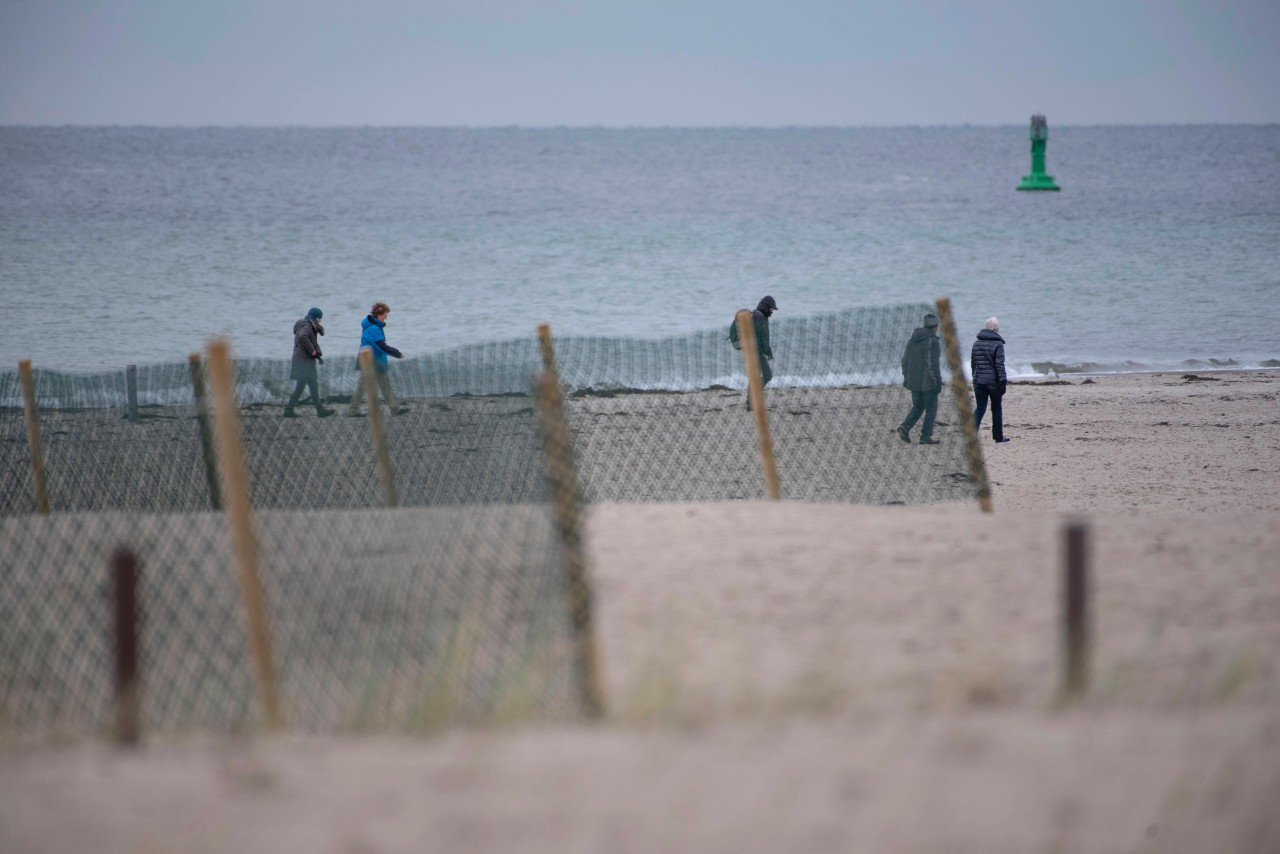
(964, 410)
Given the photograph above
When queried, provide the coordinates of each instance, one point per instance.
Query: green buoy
(1038, 180)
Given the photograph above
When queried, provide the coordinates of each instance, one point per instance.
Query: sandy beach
(811, 676)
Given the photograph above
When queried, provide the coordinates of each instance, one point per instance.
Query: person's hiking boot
(404, 410)
(930, 441)
(289, 413)
(1002, 441)
(324, 413)
(904, 435)
(354, 413)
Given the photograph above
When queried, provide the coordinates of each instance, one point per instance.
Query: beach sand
(830, 677)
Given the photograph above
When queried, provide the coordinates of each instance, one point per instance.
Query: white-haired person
(986, 363)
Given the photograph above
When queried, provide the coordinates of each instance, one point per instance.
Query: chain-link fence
(455, 604)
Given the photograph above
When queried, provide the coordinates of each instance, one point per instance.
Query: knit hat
(930, 320)
(315, 312)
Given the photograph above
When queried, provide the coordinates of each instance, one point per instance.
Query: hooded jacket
(306, 348)
(760, 320)
(986, 361)
(375, 339)
(922, 361)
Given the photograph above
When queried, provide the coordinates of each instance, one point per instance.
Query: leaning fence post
(960, 391)
(1075, 611)
(131, 386)
(206, 432)
(128, 685)
(235, 484)
(755, 393)
(567, 500)
(33, 436)
(378, 430)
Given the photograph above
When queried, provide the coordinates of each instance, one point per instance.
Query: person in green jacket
(922, 376)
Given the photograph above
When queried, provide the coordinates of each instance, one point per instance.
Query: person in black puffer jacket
(986, 362)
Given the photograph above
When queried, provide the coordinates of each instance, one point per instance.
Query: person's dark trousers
(922, 403)
(766, 374)
(982, 392)
(314, 385)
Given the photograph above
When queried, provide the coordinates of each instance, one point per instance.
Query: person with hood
(922, 376)
(760, 320)
(375, 339)
(986, 363)
(306, 356)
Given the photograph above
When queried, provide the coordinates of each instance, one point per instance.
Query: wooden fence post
(755, 393)
(34, 442)
(235, 484)
(964, 410)
(206, 432)
(1077, 644)
(567, 504)
(131, 388)
(378, 430)
(128, 684)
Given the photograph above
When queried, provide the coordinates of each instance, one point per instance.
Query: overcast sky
(637, 63)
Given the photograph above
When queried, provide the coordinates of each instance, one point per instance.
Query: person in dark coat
(373, 337)
(922, 376)
(306, 356)
(760, 321)
(986, 363)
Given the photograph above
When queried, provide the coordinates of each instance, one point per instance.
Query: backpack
(733, 334)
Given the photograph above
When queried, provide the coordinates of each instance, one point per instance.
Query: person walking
(986, 364)
(306, 356)
(922, 376)
(373, 337)
(760, 321)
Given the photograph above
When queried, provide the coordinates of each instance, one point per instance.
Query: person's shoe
(1003, 441)
(404, 410)
(904, 435)
(324, 413)
(356, 414)
(289, 413)
(924, 441)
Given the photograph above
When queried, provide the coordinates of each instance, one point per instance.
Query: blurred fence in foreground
(450, 606)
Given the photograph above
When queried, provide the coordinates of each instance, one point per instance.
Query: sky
(642, 63)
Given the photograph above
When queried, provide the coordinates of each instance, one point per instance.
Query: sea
(136, 245)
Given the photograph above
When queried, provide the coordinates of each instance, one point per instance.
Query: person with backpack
(760, 321)
(922, 376)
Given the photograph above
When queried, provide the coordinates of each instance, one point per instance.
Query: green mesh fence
(451, 607)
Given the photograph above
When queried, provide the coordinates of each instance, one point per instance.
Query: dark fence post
(206, 432)
(131, 383)
(1075, 612)
(128, 687)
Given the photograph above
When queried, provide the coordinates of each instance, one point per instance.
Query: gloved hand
(319, 360)
(1003, 385)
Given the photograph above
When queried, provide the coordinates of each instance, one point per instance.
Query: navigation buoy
(1037, 179)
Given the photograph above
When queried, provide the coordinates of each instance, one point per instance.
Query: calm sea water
(134, 245)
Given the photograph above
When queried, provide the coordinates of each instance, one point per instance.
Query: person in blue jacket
(373, 337)
(986, 362)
